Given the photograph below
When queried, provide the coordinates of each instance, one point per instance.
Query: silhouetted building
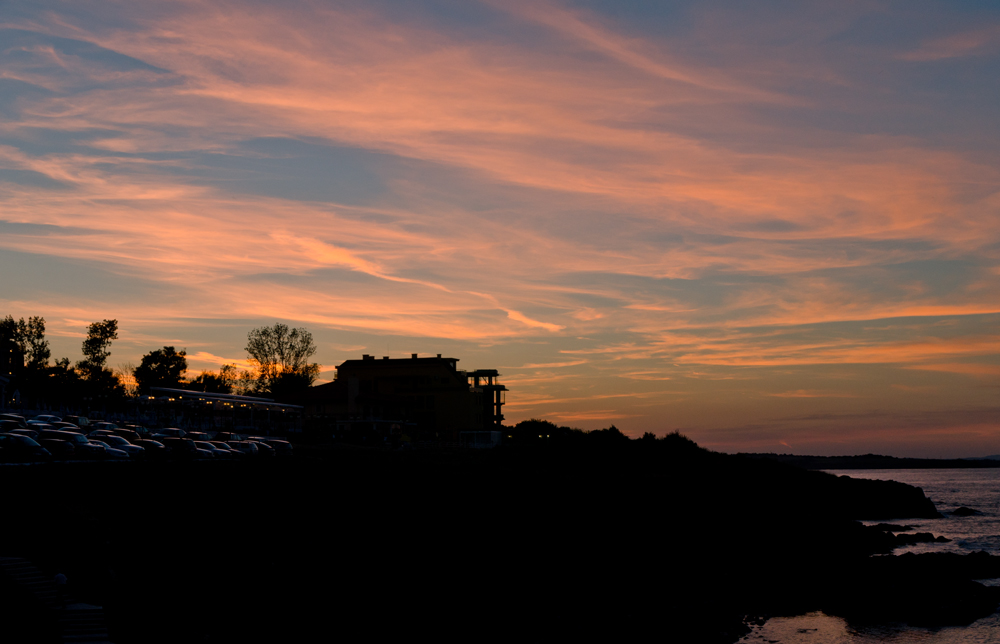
(11, 358)
(426, 396)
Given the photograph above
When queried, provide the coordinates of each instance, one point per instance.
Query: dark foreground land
(621, 540)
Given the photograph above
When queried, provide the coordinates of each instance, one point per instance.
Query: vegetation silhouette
(29, 337)
(280, 359)
(95, 346)
(210, 382)
(161, 368)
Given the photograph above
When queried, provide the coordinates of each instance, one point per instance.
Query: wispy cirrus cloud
(530, 178)
(969, 43)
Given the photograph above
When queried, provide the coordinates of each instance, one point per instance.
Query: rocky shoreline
(624, 539)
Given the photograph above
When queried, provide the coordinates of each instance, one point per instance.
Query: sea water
(949, 489)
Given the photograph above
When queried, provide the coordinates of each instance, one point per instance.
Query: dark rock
(919, 537)
(892, 527)
(964, 512)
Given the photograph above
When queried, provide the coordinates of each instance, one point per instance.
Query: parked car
(169, 432)
(70, 427)
(109, 451)
(60, 449)
(233, 452)
(48, 418)
(15, 418)
(216, 452)
(10, 425)
(128, 434)
(83, 447)
(142, 432)
(263, 449)
(101, 425)
(184, 448)
(20, 449)
(120, 443)
(30, 433)
(79, 421)
(246, 447)
(281, 447)
(154, 450)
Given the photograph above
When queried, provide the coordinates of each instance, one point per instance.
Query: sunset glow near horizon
(772, 226)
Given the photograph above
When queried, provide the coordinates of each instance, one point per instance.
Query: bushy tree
(280, 358)
(161, 368)
(100, 385)
(210, 382)
(64, 381)
(30, 339)
(95, 346)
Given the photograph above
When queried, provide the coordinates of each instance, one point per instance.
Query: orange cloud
(601, 193)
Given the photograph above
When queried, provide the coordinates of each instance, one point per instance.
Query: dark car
(79, 421)
(168, 432)
(10, 425)
(263, 449)
(247, 447)
(184, 448)
(20, 449)
(60, 449)
(122, 444)
(142, 432)
(154, 450)
(17, 419)
(281, 447)
(83, 447)
(234, 453)
(111, 452)
(216, 451)
(30, 433)
(128, 434)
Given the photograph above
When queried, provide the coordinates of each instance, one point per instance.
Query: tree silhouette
(161, 368)
(95, 346)
(210, 382)
(100, 385)
(280, 358)
(30, 339)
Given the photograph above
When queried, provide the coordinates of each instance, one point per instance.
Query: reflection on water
(949, 489)
(818, 628)
(974, 488)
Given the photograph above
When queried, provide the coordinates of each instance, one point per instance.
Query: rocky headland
(593, 536)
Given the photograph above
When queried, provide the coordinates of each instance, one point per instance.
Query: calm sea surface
(948, 489)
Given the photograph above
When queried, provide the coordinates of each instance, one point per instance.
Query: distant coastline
(874, 462)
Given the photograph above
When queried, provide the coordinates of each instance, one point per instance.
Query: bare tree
(125, 372)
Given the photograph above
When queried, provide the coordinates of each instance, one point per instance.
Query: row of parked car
(47, 437)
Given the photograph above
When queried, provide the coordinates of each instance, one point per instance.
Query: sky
(773, 226)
